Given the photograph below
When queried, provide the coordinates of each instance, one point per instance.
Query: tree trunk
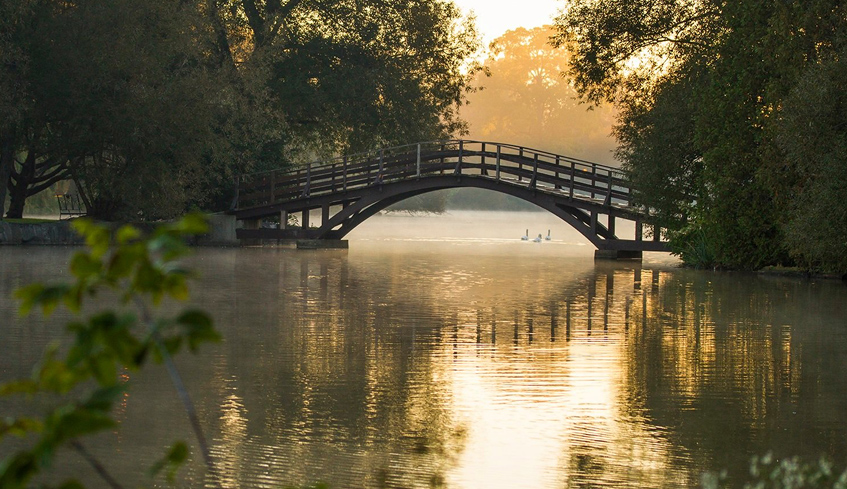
(18, 184)
(7, 159)
(17, 194)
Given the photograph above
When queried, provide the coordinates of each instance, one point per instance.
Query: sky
(494, 17)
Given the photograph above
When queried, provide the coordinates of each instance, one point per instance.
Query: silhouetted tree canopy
(707, 92)
(154, 107)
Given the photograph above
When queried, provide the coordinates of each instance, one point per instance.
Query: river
(442, 351)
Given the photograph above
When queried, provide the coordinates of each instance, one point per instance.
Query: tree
(13, 103)
(526, 101)
(120, 101)
(352, 75)
(811, 133)
(154, 107)
(730, 66)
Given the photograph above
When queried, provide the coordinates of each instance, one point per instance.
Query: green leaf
(83, 266)
(19, 426)
(46, 296)
(74, 421)
(122, 262)
(176, 456)
(17, 470)
(126, 234)
(198, 327)
(148, 279)
(175, 286)
(97, 237)
(71, 484)
(192, 224)
(168, 245)
(55, 375)
(25, 386)
(103, 399)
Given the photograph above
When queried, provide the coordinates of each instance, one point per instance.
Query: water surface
(444, 352)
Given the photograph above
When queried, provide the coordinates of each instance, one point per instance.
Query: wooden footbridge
(350, 189)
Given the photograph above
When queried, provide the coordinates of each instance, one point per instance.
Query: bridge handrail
(580, 178)
(445, 142)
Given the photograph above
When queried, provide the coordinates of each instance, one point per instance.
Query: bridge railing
(507, 163)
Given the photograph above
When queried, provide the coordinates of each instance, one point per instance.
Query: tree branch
(101, 470)
(176, 379)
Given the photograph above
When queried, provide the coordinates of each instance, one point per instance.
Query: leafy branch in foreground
(85, 376)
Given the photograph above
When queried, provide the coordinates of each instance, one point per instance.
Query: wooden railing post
(418, 165)
(307, 191)
(557, 186)
(534, 182)
(483, 169)
(497, 165)
(381, 157)
(344, 175)
(593, 179)
(573, 177)
(520, 163)
(458, 170)
(273, 184)
(441, 166)
(608, 200)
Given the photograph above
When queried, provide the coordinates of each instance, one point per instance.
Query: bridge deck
(502, 162)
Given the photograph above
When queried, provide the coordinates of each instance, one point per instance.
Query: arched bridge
(350, 189)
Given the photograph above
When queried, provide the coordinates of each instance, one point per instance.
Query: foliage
(811, 132)
(708, 93)
(154, 107)
(84, 377)
(118, 99)
(789, 473)
(354, 74)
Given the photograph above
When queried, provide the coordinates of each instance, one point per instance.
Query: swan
(525, 237)
(537, 239)
(548, 238)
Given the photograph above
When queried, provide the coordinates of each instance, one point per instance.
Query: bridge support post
(304, 223)
(283, 219)
(618, 255)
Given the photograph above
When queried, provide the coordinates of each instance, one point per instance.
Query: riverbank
(46, 233)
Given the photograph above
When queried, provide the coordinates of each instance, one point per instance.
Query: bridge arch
(356, 213)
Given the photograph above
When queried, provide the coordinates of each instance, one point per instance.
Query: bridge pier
(618, 255)
(304, 224)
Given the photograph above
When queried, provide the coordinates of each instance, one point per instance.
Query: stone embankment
(221, 233)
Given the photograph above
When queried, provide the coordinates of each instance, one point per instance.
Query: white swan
(548, 238)
(537, 239)
(525, 237)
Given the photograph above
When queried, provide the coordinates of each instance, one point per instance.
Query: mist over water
(442, 351)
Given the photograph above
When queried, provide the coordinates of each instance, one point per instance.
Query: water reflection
(438, 368)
